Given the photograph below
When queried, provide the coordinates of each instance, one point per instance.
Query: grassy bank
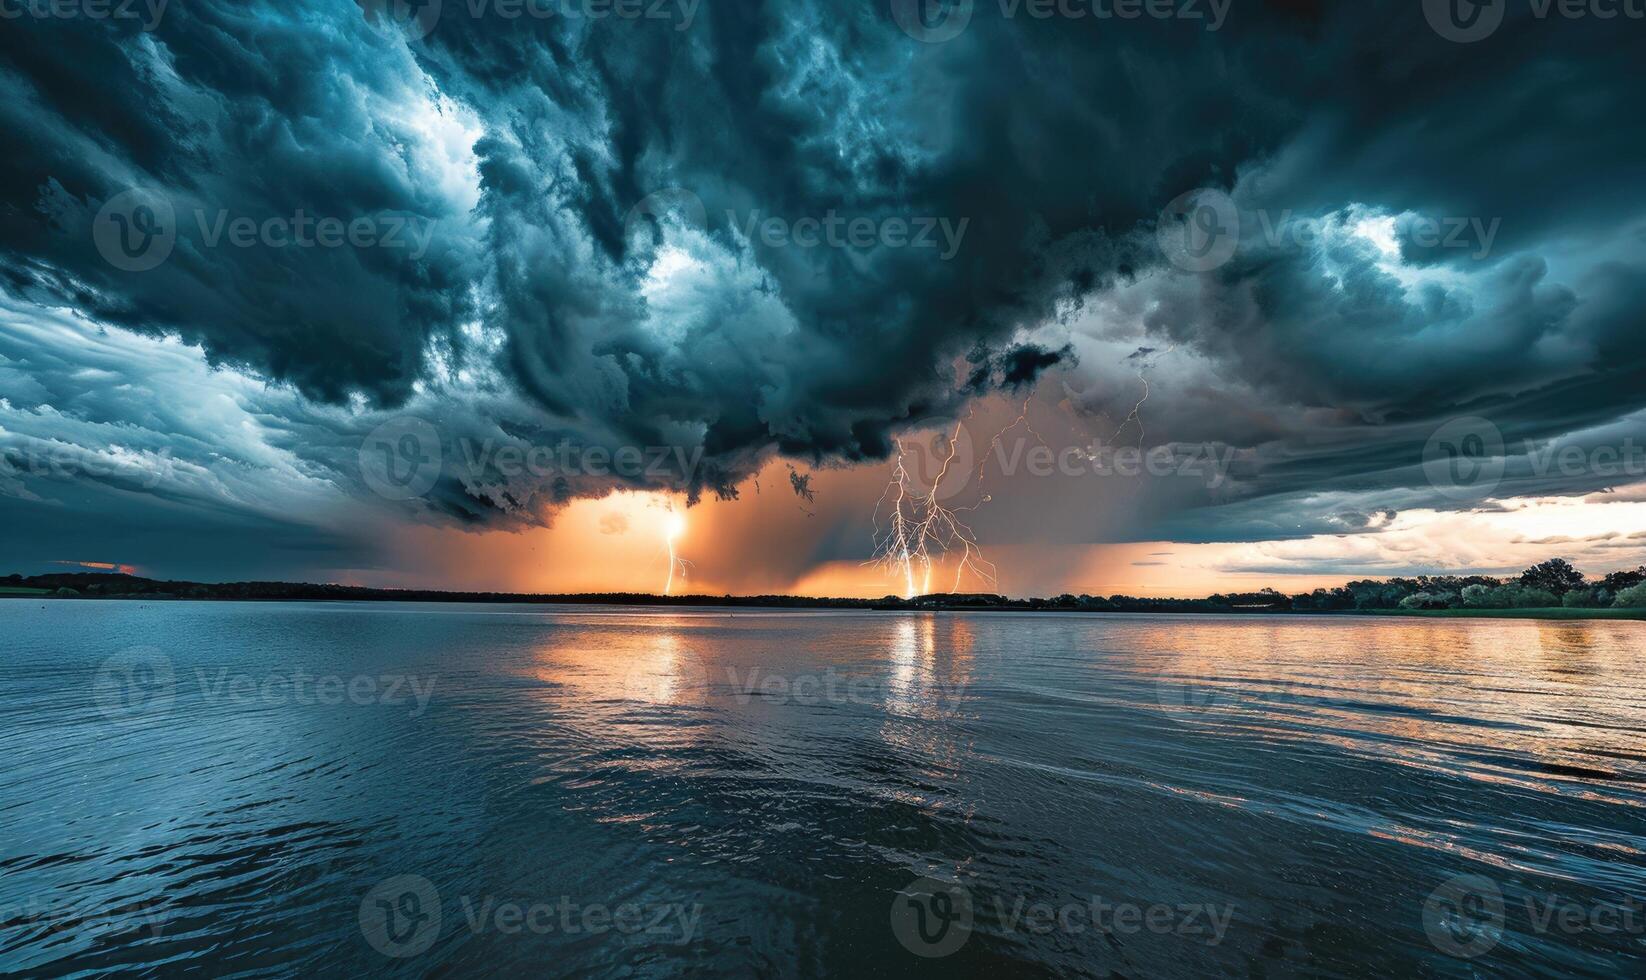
(1557, 612)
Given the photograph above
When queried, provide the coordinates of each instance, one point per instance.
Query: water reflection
(792, 771)
(1570, 648)
(929, 664)
(1524, 702)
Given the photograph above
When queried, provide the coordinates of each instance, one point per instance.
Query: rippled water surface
(268, 789)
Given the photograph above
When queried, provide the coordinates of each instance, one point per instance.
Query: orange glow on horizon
(1046, 537)
(101, 566)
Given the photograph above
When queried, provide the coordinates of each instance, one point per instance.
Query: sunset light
(822, 488)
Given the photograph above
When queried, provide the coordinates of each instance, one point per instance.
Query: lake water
(267, 789)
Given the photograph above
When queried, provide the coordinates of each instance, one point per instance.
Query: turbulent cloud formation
(739, 230)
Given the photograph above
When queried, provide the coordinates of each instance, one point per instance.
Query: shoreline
(95, 588)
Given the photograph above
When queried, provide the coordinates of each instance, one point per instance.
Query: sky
(822, 297)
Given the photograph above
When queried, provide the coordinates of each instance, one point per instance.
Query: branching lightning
(994, 444)
(673, 529)
(922, 531)
(1135, 417)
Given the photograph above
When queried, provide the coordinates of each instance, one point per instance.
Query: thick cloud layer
(745, 229)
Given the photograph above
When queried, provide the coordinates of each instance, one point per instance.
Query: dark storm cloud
(1006, 180)
(1019, 366)
(233, 112)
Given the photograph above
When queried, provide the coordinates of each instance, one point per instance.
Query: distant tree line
(1550, 584)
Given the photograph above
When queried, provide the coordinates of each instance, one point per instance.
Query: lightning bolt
(1023, 420)
(1135, 417)
(921, 531)
(673, 529)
